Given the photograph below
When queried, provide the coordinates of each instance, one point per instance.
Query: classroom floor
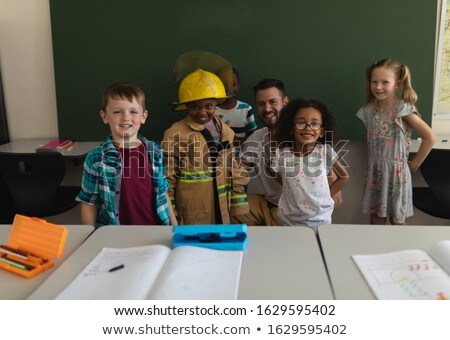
(350, 212)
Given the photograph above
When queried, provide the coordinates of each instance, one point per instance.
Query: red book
(66, 146)
(55, 145)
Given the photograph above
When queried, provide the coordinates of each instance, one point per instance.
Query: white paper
(156, 272)
(141, 267)
(408, 274)
(207, 274)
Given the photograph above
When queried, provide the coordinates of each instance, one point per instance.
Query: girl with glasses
(303, 160)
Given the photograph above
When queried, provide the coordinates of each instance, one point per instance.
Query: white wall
(26, 61)
(441, 127)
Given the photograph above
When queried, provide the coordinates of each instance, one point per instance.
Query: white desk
(79, 150)
(340, 242)
(442, 142)
(278, 263)
(15, 287)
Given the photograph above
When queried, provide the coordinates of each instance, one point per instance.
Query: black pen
(113, 269)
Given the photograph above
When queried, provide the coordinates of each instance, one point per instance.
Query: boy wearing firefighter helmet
(207, 185)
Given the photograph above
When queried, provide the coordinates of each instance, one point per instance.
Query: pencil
(13, 264)
(9, 252)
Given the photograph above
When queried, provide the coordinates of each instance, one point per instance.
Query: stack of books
(58, 145)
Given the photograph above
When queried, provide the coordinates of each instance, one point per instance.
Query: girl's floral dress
(388, 188)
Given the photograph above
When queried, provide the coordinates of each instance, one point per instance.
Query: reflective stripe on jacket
(190, 174)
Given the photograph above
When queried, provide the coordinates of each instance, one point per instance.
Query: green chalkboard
(319, 48)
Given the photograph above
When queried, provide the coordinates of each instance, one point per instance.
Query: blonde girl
(390, 116)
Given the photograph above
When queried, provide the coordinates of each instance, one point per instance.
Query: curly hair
(286, 121)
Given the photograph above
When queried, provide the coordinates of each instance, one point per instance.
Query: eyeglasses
(313, 126)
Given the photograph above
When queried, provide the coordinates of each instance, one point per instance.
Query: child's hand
(221, 117)
(412, 166)
(338, 197)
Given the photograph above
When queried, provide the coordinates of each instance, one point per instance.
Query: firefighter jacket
(207, 185)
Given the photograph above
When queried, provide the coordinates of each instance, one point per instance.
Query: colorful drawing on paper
(405, 275)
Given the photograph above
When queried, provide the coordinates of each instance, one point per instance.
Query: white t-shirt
(256, 150)
(306, 198)
(240, 118)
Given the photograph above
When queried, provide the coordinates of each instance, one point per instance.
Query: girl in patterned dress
(389, 122)
(303, 161)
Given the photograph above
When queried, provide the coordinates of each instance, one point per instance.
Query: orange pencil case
(32, 243)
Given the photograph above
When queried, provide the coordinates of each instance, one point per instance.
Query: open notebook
(157, 272)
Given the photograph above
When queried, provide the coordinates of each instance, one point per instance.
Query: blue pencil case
(214, 236)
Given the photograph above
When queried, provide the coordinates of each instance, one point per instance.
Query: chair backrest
(32, 179)
(436, 172)
(6, 205)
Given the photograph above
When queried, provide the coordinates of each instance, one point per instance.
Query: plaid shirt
(102, 179)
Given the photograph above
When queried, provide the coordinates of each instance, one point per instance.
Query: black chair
(435, 199)
(32, 183)
(6, 208)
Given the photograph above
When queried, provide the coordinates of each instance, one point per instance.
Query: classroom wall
(26, 61)
(441, 127)
(28, 79)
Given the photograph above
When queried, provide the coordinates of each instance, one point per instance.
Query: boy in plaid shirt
(124, 177)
